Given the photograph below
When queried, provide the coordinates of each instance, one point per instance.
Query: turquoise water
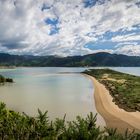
(49, 89)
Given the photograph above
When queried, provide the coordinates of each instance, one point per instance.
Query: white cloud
(129, 50)
(130, 37)
(23, 30)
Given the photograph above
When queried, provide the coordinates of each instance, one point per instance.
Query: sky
(69, 27)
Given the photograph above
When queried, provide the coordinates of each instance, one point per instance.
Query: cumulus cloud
(64, 27)
(129, 49)
(130, 37)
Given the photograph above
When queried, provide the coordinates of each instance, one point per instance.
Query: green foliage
(2, 79)
(125, 94)
(15, 126)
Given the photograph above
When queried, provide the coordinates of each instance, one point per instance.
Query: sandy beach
(113, 115)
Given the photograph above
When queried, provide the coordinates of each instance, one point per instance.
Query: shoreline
(114, 116)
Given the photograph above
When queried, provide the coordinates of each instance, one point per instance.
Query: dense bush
(16, 126)
(9, 80)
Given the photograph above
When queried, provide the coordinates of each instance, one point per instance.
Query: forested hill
(97, 59)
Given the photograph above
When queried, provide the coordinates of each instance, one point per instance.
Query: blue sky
(53, 22)
(70, 27)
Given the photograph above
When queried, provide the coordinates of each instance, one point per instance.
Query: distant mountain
(97, 59)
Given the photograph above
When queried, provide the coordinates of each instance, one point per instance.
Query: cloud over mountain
(69, 27)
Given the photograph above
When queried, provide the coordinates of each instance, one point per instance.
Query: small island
(5, 80)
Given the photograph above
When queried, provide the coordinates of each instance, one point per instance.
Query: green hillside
(97, 59)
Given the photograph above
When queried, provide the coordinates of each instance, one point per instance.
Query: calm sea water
(129, 70)
(49, 89)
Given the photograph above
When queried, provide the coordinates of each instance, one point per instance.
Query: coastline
(112, 114)
(7, 67)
